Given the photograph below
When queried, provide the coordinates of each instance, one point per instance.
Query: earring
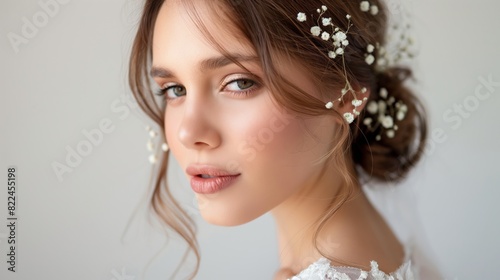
(164, 147)
(151, 147)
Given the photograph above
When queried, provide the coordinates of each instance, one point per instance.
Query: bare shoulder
(283, 274)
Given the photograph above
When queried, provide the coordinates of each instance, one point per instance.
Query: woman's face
(221, 121)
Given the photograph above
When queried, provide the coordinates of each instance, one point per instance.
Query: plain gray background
(69, 76)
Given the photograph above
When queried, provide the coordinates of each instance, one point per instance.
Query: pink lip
(219, 179)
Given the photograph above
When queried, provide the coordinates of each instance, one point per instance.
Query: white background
(71, 75)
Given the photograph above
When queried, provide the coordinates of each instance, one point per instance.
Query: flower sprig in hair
(386, 56)
(338, 37)
(381, 115)
(335, 34)
(384, 115)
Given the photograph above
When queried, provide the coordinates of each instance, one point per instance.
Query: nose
(198, 128)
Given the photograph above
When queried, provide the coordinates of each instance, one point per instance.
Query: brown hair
(270, 26)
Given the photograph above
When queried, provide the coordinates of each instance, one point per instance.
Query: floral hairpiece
(387, 109)
(384, 113)
(387, 57)
(339, 40)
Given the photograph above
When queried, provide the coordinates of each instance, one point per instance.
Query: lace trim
(322, 270)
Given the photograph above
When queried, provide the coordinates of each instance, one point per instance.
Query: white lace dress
(322, 270)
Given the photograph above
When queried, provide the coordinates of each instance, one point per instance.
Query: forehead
(176, 34)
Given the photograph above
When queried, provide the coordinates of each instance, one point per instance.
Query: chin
(228, 218)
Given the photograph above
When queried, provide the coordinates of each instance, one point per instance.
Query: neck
(353, 236)
(297, 219)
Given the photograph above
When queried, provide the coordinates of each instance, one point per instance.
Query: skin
(225, 117)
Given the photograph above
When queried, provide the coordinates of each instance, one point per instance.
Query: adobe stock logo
(123, 106)
(31, 27)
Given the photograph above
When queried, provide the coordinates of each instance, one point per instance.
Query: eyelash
(239, 94)
(244, 92)
(161, 92)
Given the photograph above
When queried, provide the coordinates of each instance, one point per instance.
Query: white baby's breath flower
(373, 10)
(339, 51)
(387, 122)
(382, 62)
(301, 17)
(367, 121)
(349, 117)
(332, 54)
(369, 59)
(348, 16)
(372, 107)
(315, 30)
(325, 36)
(324, 8)
(370, 48)
(356, 102)
(390, 133)
(329, 105)
(364, 6)
(152, 159)
(400, 115)
(383, 93)
(382, 106)
(341, 36)
(345, 43)
(326, 21)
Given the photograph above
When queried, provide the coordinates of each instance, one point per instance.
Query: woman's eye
(174, 91)
(239, 85)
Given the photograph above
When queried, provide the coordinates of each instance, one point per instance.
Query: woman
(287, 107)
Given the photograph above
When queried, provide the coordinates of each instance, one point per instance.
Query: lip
(219, 178)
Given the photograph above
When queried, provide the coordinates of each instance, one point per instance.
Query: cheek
(281, 155)
(284, 140)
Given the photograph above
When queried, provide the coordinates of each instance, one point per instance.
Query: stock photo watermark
(455, 115)
(257, 143)
(12, 222)
(75, 154)
(31, 26)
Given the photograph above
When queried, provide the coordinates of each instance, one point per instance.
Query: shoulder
(284, 273)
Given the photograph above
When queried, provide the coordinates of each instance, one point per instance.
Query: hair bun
(390, 158)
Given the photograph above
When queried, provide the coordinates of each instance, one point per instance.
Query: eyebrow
(207, 64)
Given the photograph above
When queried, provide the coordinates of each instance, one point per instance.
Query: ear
(352, 103)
